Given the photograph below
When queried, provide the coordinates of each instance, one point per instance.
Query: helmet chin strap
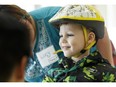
(85, 48)
(86, 39)
(58, 51)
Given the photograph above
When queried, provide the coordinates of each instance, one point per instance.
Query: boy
(80, 28)
(15, 48)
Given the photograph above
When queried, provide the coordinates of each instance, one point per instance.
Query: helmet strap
(58, 51)
(86, 39)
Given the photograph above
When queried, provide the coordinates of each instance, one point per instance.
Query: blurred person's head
(22, 16)
(15, 48)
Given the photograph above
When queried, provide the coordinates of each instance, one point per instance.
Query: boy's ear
(21, 69)
(91, 37)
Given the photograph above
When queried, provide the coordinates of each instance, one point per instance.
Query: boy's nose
(63, 40)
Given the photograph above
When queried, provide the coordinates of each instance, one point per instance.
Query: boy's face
(71, 39)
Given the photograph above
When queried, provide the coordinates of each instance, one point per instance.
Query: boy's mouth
(65, 47)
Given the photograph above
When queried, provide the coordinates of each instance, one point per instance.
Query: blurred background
(107, 9)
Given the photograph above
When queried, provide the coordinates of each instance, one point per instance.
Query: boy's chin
(68, 56)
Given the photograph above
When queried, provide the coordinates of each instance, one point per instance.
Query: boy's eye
(70, 35)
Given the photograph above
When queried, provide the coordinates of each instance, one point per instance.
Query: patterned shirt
(92, 68)
(46, 35)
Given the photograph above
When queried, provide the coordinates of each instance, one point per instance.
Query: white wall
(111, 11)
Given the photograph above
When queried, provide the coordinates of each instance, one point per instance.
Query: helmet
(85, 15)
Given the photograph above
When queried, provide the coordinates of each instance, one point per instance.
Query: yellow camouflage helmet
(85, 15)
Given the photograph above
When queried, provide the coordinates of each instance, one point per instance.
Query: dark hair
(18, 13)
(14, 44)
(15, 11)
